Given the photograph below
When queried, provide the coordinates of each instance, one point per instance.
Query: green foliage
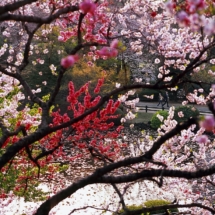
(109, 64)
(142, 117)
(154, 203)
(23, 184)
(81, 73)
(149, 204)
(155, 121)
(188, 112)
(35, 73)
(131, 207)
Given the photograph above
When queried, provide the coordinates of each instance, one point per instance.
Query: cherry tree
(41, 143)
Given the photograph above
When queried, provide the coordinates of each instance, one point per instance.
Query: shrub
(188, 112)
(155, 121)
(153, 203)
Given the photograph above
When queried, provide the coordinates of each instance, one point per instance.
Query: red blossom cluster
(94, 135)
(94, 132)
(65, 35)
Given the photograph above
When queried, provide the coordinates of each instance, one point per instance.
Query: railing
(147, 109)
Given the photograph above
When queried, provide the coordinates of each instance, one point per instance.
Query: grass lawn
(142, 117)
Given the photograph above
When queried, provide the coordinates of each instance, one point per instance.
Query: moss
(131, 208)
(154, 203)
(149, 204)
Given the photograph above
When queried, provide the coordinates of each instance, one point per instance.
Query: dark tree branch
(48, 152)
(173, 132)
(62, 72)
(145, 174)
(39, 20)
(27, 46)
(95, 153)
(40, 133)
(81, 17)
(14, 6)
(7, 134)
(32, 159)
(56, 88)
(25, 85)
(80, 46)
(120, 196)
(97, 177)
(82, 208)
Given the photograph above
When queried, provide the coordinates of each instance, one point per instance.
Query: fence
(152, 109)
(148, 109)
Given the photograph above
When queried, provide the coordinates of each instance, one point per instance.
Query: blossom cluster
(191, 14)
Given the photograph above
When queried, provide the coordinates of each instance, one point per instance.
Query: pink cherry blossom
(107, 52)
(61, 38)
(114, 44)
(87, 6)
(170, 5)
(202, 139)
(183, 18)
(69, 61)
(195, 5)
(149, 31)
(180, 114)
(208, 123)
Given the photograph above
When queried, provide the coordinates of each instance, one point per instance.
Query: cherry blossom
(208, 123)
(37, 137)
(87, 6)
(69, 61)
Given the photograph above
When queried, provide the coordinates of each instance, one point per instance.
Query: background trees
(41, 142)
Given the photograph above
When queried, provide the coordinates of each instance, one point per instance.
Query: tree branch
(34, 19)
(14, 6)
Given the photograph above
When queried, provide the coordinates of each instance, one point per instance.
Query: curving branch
(7, 134)
(33, 160)
(27, 46)
(145, 174)
(62, 72)
(42, 132)
(97, 177)
(39, 20)
(173, 132)
(81, 17)
(14, 6)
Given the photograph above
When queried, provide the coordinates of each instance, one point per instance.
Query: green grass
(142, 117)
